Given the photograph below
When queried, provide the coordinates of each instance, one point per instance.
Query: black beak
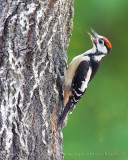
(94, 39)
(94, 32)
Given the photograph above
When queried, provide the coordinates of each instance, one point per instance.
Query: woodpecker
(81, 70)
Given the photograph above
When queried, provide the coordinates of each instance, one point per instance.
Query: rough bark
(34, 36)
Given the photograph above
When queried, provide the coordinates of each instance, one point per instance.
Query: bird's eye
(101, 41)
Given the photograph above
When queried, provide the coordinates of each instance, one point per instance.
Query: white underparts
(72, 69)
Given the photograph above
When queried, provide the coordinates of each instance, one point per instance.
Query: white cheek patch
(102, 48)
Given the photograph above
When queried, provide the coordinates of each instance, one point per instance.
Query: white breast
(71, 70)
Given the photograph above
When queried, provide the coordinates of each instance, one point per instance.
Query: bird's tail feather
(64, 113)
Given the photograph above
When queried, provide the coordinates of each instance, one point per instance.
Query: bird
(81, 71)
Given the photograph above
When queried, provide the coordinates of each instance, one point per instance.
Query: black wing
(95, 66)
(79, 78)
(80, 75)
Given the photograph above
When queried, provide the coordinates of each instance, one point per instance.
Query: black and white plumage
(81, 71)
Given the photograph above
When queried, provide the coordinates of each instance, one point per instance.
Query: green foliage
(99, 124)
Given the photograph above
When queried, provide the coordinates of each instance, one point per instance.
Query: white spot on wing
(77, 94)
(75, 100)
(85, 83)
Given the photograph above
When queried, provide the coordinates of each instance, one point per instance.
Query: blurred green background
(99, 123)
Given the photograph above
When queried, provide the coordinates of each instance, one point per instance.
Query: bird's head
(102, 44)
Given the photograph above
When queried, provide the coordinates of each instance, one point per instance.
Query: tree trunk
(33, 38)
